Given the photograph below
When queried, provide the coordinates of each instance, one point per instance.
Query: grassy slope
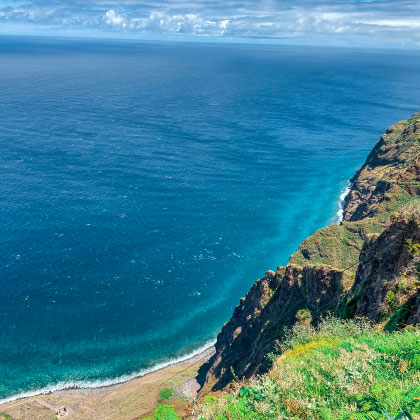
(341, 371)
(339, 246)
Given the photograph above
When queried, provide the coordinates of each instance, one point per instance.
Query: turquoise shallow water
(145, 187)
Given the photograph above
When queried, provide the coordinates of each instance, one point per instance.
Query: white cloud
(396, 23)
(114, 19)
(168, 24)
(387, 22)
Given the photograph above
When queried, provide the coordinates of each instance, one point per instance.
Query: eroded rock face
(271, 305)
(386, 286)
(387, 278)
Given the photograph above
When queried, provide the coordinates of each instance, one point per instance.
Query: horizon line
(257, 41)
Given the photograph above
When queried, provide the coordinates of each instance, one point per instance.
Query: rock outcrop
(393, 160)
(366, 266)
(273, 303)
(386, 288)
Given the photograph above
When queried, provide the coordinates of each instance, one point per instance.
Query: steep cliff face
(386, 288)
(274, 302)
(366, 266)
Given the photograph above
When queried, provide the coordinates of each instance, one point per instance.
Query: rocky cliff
(394, 161)
(386, 287)
(366, 266)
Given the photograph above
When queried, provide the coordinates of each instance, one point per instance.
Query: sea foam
(341, 203)
(68, 385)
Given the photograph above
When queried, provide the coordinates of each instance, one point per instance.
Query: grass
(165, 394)
(335, 246)
(4, 416)
(339, 246)
(164, 412)
(340, 371)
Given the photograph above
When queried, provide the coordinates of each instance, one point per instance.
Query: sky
(381, 23)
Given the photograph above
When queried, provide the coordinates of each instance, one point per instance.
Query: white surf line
(62, 386)
(343, 195)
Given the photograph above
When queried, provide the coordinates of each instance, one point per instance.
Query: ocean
(146, 186)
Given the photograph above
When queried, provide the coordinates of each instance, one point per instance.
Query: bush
(165, 394)
(413, 248)
(391, 299)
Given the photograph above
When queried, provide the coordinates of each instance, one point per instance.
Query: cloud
(328, 21)
(113, 18)
(160, 22)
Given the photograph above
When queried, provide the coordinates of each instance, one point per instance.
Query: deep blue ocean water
(145, 187)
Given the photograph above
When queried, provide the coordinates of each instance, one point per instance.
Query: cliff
(386, 287)
(393, 163)
(366, 266)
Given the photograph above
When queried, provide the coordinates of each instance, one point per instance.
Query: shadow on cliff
(259, 321)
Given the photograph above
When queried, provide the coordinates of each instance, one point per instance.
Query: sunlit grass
(341, 370)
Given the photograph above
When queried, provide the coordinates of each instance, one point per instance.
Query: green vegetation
(4, 416)
(164, 412)
(304, 316)
(390, 298)
(341, 370)
(336, 246)
(165, 394)
(350, 307)
(400, 315)
(339, 246)
(413, 248)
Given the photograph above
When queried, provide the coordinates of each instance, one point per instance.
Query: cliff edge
(365, 266)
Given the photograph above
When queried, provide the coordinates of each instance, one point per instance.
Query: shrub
(391, 299)
(413, 248)
(165, 394)
(304, 316)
